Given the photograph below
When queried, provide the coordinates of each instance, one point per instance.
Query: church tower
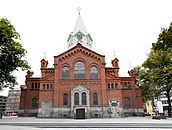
(79, 35)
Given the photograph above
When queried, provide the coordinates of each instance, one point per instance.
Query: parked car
(12, 114)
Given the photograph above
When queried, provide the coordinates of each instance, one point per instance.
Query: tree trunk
(169, 103)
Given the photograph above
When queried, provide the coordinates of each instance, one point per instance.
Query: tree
(159, 65)
(11, 54)
(144, 82)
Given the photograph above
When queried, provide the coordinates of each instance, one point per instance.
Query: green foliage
(11, 54)
(144, 82)
(158, 67)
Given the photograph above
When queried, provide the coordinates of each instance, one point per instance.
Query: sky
(126, 27)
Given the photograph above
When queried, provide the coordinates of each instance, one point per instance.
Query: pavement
(134, 123)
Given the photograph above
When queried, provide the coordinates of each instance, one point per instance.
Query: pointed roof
(79, 26)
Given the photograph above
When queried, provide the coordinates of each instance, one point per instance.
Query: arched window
(34, 103)
(112, 86)
(108, 86)
(126, 102)
(65, 99)
(95, 99)
(93, 72)
(84, 98)
(51, 86)
(32, 85)
(116, 86)
(121, 85)
(125, 85)
(65, 73)
(129, 85)
(47, 86)
(36, 87)
(79, 70)
(76, 98)
(44, 87)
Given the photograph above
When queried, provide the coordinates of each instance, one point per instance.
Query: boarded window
(65, 99)
(126, 102)
(95, 99)
(34, 103)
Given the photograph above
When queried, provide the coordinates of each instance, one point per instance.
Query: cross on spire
(79, 9)
(44, 56)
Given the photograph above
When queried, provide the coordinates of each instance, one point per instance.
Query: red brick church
(80, 85)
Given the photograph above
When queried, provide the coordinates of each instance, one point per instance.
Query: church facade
(80, 85)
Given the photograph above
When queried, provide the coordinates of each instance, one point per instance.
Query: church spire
(79, 34)
(79, 26)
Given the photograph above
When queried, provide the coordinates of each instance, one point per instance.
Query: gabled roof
(75, 47)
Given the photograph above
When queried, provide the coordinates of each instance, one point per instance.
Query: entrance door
(80, 113)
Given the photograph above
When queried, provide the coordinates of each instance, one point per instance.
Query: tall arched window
(65, 73)
(93, 72)
(116, 86)
(65, 99)
(129, 85)
(108, 86)
(34, 103)
(76, 98)
(126, 102)
(112, 86)
(79, 70)
(95, 99)
(121, 85)
(32, 85)
(125, 85)
(84, 98)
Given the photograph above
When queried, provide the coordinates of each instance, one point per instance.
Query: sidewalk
(99, 120)
(147, 119)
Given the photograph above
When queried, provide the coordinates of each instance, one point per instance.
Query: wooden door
(80, 113)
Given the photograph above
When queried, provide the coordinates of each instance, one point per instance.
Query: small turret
(131, 73)
(44, 63)
(29, 74)
(115, 63)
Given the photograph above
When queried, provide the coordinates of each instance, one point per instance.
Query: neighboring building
(2, 104)
(79, 85)
(13, 101)
(151, 107)
(164, 100)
